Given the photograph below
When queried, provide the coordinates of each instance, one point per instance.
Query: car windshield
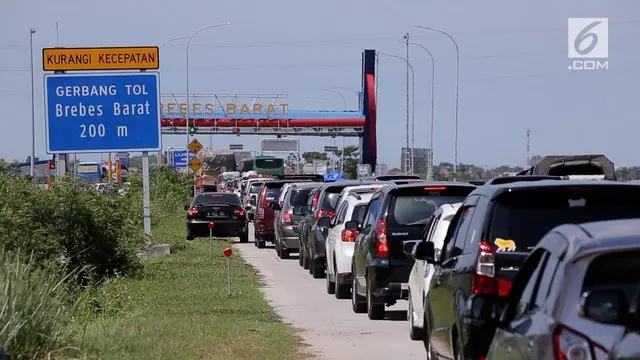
(208, 198)
(526, 216)
(299, 197)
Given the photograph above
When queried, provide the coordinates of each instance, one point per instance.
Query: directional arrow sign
(195, 146)
(195, 164)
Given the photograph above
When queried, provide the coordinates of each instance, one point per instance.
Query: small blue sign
(179, 158)
(109, 112)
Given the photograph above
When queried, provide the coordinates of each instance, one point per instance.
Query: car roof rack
(312, 177)
(516, 178)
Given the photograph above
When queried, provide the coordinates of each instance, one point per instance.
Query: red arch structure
(360, 123)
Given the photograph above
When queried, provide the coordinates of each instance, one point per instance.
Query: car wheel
(311, 265)
(318, 269)
(331, 285)
(260, 243)
(459, 355)
(189, 236)
(305, 261)
(342, 291)
(244, 237)
(375, 309)
(358, 304)
(284, 254)
(415, 333)
(300, 255)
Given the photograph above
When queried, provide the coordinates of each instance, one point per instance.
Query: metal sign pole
(146, 198)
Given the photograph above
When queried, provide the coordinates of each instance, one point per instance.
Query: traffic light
(192, 129)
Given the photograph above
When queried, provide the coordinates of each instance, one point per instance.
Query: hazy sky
(513, 67)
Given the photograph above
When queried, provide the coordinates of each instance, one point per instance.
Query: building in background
(421, 160)
(381, 169)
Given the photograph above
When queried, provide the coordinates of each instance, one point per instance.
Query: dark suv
(286, 227)
(396, 214)
(487, 242)
(312, 239)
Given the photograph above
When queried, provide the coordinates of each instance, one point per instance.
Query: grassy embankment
(177, 308)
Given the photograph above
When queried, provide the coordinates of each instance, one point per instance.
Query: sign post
(227, 253)
(104, 112)
(211, 226)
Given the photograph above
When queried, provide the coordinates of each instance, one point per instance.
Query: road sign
(330, 149)
(364, 170)
(195, 164)
(101, 58)
(179, 158)
(195, 146)
(236, 147)
(280, 145)
(109, 112)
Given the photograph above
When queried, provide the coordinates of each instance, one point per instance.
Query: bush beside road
(177, 308)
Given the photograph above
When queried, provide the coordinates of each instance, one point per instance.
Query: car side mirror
(408, 247)
(480, 308)
(186, 207)
(275, 206)
(604, 306)
(426, 251)
(352, 225)
(324, 222)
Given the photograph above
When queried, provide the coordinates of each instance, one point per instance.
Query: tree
(351, 160)
(310, 156)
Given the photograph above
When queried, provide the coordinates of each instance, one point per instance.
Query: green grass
(178, 308)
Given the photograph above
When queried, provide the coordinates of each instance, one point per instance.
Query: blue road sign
(179, 158)
(107, 112)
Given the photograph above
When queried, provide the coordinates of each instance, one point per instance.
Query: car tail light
(330, 214)
(484, 280)
(569, 344)
(435, 188)
(286, 219)
(314, 201)
(382, 248)
(238, 212)
(349, 235)
(192, 212)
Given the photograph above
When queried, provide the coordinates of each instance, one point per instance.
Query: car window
(414, 205)
(208, 198)
(527, 296)
(273, 193)
(459, 235)
(358, 213)
(448, 239)
(255, 187)
(428, 229)
(546, 280)
(372, 213)
(299, 197)
(525, 216)
(342, 212)
(330, 199)
(614, 271)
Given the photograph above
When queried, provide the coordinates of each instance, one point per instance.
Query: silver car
(286, 222)
(567, 297)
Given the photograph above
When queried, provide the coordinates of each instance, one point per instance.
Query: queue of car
(518, 267)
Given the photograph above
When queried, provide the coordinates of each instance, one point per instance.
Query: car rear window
(414, 206)
(525, 216)
(330, 198)
(255, 187)
(614, 271)
(208, 198)
(358, 213)
(299, 197)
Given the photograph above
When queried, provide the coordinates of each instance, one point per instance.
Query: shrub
(35, 306)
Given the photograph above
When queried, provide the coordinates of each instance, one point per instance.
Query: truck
(214, 163)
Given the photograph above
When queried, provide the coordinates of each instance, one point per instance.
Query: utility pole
(528, 148)
(408, 161)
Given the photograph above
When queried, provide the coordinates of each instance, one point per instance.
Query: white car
(339, 244)
(421, 273)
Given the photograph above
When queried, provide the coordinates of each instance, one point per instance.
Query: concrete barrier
(154, 251)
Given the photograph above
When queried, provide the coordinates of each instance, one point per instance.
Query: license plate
(216, 215)
(404, 286)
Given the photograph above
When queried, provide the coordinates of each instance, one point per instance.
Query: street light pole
(455, 139)
(413, 82)
(188, 44)
(33, 109)
(433, 82)
(344, 100)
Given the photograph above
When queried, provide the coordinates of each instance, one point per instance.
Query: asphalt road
(328, 325)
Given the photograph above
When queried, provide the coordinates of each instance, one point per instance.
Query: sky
(513, 68)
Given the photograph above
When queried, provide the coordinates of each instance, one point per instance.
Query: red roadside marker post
(227, 254)
(211, 226)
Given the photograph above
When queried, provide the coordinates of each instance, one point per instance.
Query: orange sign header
(105, 58)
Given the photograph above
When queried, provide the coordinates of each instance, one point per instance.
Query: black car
(312, 239)
(223, 210)
(487, 242)
(396, 214)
